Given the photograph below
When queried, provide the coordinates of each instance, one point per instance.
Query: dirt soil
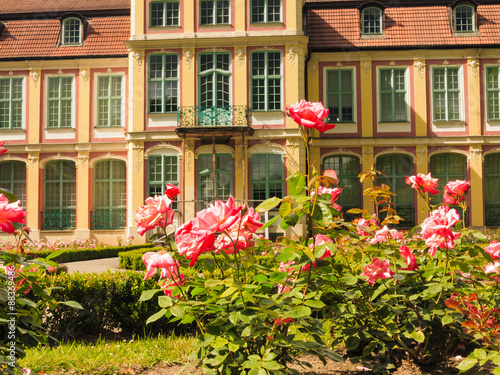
(331, 368)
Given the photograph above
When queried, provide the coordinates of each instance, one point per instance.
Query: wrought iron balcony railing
(59, 219)
(108, 219)
(201, 116)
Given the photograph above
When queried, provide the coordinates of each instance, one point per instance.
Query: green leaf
(446, 319)
(479, 353)
(165, 302)
(73, 304)
(11, 197)
(273, 366)
(317, 214)
(211, 283)
(352, 342)
(155, 317)
(314, 303)
(285, 208)
(309, 254)
(297, 183)
(233, 347)
(418, 336)
(291, 220)
(177, 311)
(148, 294)
(268, 204)
(350, 279)
(54, 254)
(299, 312)
(466, 364)
(270, 222)
(229, 292)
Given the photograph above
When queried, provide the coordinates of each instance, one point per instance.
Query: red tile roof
(46, 6)
(416, 27)
(40, 39)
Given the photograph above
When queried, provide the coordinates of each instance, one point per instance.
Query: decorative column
(137, 89)
(473, 78)
(83, 197)
(34, 113)
(83, 135)
(189, 180)
(240, 75)
(476, 191)
(188, 81)
(294, 86)
(295, 161)
(422, 167)
(135, 188)
(33, 190)
(420, 85)
(240, 169)
(367, 163)
(366, 98)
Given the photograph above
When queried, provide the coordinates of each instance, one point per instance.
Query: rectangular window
(267, 177)
(493, 93)
(446, 91)
(393, 95)
(162, 170)
(266, 81)
(214, 12)
(109, 101)
(164, 13)
(11, 103)
(59, 102)
(220, 187)
(340, 95)
(266, 11)
(72, 31)
(163, 77)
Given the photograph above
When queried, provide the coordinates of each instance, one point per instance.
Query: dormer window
(464, 18)
(371, 21)
(72, 31)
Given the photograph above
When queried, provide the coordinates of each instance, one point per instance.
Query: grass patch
(106, 357)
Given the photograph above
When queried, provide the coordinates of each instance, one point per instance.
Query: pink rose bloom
(377, 269)
(493, 249)
(219, 215)
(437, 229)
(10, 213)
(2, 149)
(409, 258)
(156, 212)
(250, 220)
(423, 183)
(192, 241)
(334, 192)
(309, 115)
(154, 260)
(457, 187)
(365, 224)
(231, 241)
(492, 268)
(171, 191)
(384, 234)
(449, 199)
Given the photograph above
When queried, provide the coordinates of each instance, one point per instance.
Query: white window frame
(23, 106)
(46, 101)
(455, 19)
(63, 32)
(96, 99)
(381, 20)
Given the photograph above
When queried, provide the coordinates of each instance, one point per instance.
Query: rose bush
(387, 289)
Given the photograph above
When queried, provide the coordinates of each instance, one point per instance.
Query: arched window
(371, 21)
(491, 190)
(110, 195)
(60, 195)
(266, 177)
(347, 169)
(13, 179)
(72, 31)
(396, 167)
(464, 18)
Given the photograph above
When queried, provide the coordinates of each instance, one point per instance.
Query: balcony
(59, 219)
(222, 120)
(104, 219)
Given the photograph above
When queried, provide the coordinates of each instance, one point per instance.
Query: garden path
(95, 265)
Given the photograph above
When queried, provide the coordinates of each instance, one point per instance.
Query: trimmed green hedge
(110, 302)
(74, 255)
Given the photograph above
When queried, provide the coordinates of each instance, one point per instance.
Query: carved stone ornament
(473, 64)
(188, 57)
(291, 149)
(419, 65)
(138, 55)
(215, 49)
(11, 73)
(35, 76)
(189, 160)
(109, 70)
(476, 154)
(84, 75)
(367, 67)
(422, 153)
(292, 54)
(83, 158)
(163, 51)
(313, 65)
(240, 55)
(33, 158)
(339, 64)
(394, 149)
(138, 149)
(446, 62)
(392, 63)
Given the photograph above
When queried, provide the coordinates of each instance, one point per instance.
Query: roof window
(72, 26)
(371, 21)
(464, 17)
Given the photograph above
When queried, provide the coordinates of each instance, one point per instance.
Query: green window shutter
(340, 95)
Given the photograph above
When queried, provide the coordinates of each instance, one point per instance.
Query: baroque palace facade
(103, 102)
